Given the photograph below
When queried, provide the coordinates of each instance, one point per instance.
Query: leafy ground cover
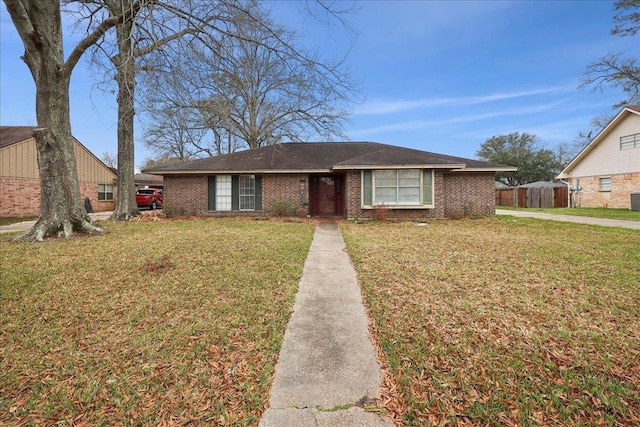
(504, 321)
(592, 212)
(163, 323)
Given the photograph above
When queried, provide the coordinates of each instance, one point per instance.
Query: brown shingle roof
(320, 157)
(10, 135)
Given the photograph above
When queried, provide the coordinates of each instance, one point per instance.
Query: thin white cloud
(422, 124)
(396, 106)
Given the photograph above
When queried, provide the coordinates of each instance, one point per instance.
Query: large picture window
(398, 187)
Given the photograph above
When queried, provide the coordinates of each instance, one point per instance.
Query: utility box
(635, 201)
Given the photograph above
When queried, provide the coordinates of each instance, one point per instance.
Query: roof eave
(489, 169)
(418, 166)
(595, 141)
(233, 171)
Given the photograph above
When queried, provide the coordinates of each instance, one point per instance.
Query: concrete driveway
(606, 222)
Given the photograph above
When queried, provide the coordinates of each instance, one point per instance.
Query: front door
(327, 198)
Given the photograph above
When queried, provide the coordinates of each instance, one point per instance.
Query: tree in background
(246, 88)
(534, 163)
(110, 159)
(614, 69)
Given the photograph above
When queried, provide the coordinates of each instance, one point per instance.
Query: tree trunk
(61, 209)
(126, 206)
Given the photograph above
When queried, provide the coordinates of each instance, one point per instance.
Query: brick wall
(622, 186)
(189, 192)
(21, 197)
(287, 188)
(455, 194)
(90, 189)
(354, 192)
(469, 194)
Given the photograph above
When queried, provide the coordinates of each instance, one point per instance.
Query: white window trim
(112, 192)
(634, 141)
(240, 195)
(600, 188)
(416, 206)
(225, 199)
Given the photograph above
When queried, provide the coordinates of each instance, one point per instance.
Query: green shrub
(283, 207)
(174, 210)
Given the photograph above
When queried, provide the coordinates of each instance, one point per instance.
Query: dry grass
(161, 323)
(504, 321)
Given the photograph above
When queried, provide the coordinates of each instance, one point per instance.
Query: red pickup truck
(149, 198)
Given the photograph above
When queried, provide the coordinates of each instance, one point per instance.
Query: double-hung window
(410, 188)
(105, 192)
(223, 193)
(235, 193)
(247, 192)
(605, 183)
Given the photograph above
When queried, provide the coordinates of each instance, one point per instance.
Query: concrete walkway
(25, 225)
(327, 368)
(573, 218)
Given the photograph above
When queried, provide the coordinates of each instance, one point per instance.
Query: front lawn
(592, 212)
(504, 321)
(172, 323)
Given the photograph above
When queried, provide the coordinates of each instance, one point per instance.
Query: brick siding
(455, 195)
(189, 192)
(622, 185)
(287, 188)
(21, 197)
(469, 194)
(354, 209)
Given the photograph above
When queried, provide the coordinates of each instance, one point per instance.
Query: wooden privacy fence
(533, 197)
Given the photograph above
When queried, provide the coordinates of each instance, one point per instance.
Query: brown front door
(327, 196)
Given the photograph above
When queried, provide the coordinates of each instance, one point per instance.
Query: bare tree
(255, 87)
(614, 69)
(110, 159)
(153, 26)
(39, 25)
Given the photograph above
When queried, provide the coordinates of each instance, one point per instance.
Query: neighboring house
(145, 180)
(20, 179)
(607, 171)
(342, 179)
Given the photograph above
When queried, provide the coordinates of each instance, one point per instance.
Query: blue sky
(436, 76)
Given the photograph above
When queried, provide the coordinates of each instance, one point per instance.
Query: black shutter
(235, 192)
(258, 202)
(211, 204)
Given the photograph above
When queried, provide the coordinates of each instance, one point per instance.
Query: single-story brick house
(20, 178)
(341, 179)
